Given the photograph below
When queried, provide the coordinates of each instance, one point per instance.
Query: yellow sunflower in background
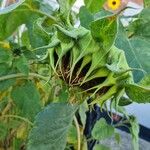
(114, 4)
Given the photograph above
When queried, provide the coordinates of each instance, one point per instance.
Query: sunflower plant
(58, 67)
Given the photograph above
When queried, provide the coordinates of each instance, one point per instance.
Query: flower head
(113, 4)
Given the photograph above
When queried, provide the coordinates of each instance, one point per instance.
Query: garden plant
(58, 66)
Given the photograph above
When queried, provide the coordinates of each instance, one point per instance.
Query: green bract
(91, 63)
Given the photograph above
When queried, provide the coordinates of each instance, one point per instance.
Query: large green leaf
(38, 37)
(124, 101)
(46, 7)
(141, 48)
(145, 81)
(4, 71)
(72, 33)
(82, 112)
(138, 93)
(5, 56)
(3, 131)
(11, 20)
(134, 129)
(137, 44)
(94, 5)
(141, 27)
(27, 99)
(65, 6)
(24, 12)
(72, 135)
(85, 17)
(102, 14)
(102, 130)
(101, 147)
(51, 127)
(117, 61)
(4, 85)
(104, 30)
(22, 65)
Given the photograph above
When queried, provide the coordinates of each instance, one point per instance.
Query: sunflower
(114, 4)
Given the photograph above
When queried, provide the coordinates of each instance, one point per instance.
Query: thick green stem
(17, 117)
(18, 75)
(40, 12)
(78, 132)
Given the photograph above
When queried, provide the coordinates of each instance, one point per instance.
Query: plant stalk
(78, 132)
(17, 117)
(18, 75)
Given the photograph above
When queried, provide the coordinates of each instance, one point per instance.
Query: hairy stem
(78, 132)
(40, 12)
(18, 75)
(17, 117)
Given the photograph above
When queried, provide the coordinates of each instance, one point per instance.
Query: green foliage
(49, 67)
(135, 43)
(5, 56)
(4, 85)
(102, 130)
(3, 131)
(37, 35)
(12, 17)
(85, 17)
(65, 6)
(101, 147)
(51, 127)
(143, 96)
(82, 112)
(134, 129)
(5, 68)
(145, 81)
(21, 64)
(27, 99)
(124, 101)
(72, 135)
(94, 6)
(104, 30)
(23, 12)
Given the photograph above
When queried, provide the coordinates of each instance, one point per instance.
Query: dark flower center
(114, 2)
